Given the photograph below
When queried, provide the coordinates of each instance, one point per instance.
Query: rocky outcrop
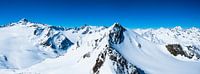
(176, 49)
(119, 63)
(116, 34)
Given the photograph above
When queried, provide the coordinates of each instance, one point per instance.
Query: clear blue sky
(130, 13)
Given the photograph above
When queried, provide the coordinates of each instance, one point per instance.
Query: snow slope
(188, 39)
(152, 59)
(20, 47)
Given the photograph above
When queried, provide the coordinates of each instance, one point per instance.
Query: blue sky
(130, 13)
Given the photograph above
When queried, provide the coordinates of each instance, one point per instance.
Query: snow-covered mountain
(24, 44)
(33, 48)
(185, 41)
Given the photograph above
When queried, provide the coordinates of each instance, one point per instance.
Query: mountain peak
(117, 27)
(194, 28)
(178, 28)
(23, 21)
(116, 33)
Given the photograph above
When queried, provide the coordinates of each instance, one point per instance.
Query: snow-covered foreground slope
(89, 50)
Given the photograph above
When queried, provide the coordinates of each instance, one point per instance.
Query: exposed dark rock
(77, 45)
(90, 32)
(57, 28)
(122, 65)
(86, 31)
(86, 55)
(138, 71)
(65, 44)
(4, 62)
(55, 51)
(23, 21)
(55, 43)
(116, 34)
(139, 45)
(176, 49)
(112, 57)
(99, 62)
(194, 50)
(38, 31)
(34, 26)
(5, 58)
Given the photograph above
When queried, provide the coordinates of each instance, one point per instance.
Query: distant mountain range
(33, 48)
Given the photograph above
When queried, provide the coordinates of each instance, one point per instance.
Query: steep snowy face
(109, 56)
(181, 43)
(50, 37)
(96, 48)
(31, 41)
(118, 64)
